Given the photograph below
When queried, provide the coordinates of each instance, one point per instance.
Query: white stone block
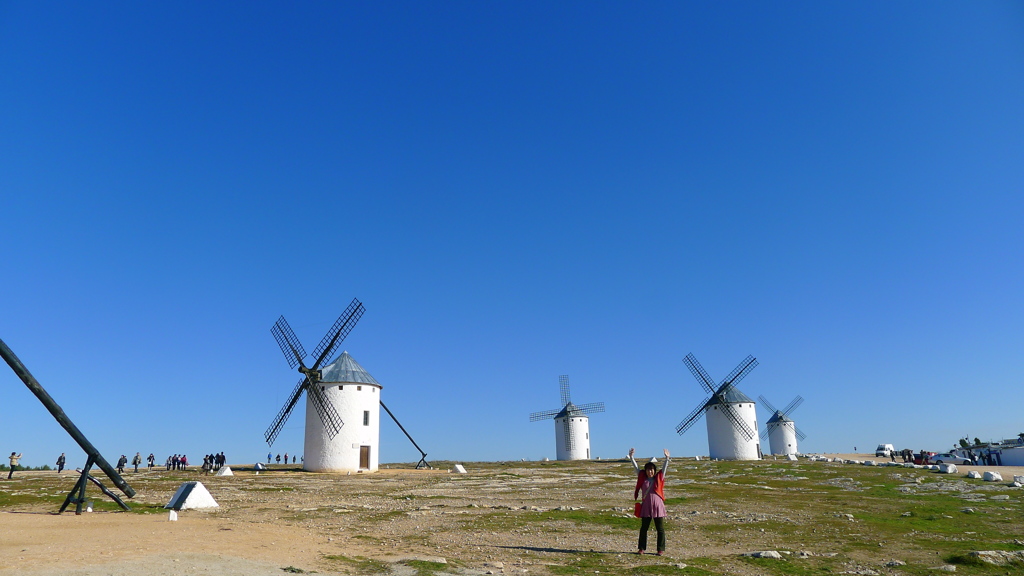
(1019, 479)
(992, 477)
(460, 469)
(791, 457)
(947, 468)
(974, 474)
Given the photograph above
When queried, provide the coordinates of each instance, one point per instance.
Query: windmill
(572, 425)
(781, 430)
(342, 390)
(731, 416)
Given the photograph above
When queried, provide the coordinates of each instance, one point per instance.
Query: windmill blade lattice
(544, 415)
(290, 345)
(792, 405)
(718, 393)
(327, 412)
(767, 404)
(568, 435)
(699, 373)
(334, 337)
(692, 417)
(591, 408)
(563, 389)
(740, 371)
(737, 422)
(294, 354)
(282, 416)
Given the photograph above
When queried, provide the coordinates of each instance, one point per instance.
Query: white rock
(947, 468)
(1018, 479)
(974, 474)
(894, 563)
(999, 497)
(791, 457)
(870, 463)
(945, 568)
(765, 554)
(992, 477)
(999, 557)
(460, 469)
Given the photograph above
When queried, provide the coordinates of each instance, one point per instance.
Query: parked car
(884, 450)
(949, 458)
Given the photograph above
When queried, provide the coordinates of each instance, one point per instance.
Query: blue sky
(515, 190)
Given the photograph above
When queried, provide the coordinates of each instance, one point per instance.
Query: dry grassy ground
(540, 518)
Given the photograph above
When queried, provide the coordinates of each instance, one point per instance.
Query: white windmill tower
(731, 416)
(572, 425)
(781, 429)
(341, 392)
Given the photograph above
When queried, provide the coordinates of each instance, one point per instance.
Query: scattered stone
(999, 497)
(968, 510)
(906, 514)
(974, 474)
(1018, 479)
(947, 468)
(992, 477)
(460, 469)
(774, 555)
(847, 516)
(895, 563)
(999, 557)
(681, 566)
(870, 463)
(945, 568)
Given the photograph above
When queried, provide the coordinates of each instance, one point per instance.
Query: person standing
(121, 463)
(151, 459)
(278, 458)
(651, 483)
(61, 460)
(14, 464)
(269, 456)
(286, 458)
(136, 460)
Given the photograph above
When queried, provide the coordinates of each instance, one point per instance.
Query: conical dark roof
(732, 395)
(571, 410)
(345, 369)
(779, 417)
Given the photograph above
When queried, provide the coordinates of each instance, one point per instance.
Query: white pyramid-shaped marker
(192, 495)
(225, 471)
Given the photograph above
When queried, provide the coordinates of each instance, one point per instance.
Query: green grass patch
(358, 564)
(425, 568)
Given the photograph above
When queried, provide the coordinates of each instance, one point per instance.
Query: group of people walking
(270, 456)
(122, 462)
(213, 462)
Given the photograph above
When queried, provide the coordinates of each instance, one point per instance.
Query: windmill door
(364, 457)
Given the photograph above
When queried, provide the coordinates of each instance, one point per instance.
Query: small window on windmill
(366, 417)
(359, 388)
(341, 387)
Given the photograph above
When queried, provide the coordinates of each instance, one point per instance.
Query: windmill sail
(295, 354)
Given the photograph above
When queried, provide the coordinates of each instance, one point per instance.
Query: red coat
(659, 484)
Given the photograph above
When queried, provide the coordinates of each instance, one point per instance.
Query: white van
(884, 450)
